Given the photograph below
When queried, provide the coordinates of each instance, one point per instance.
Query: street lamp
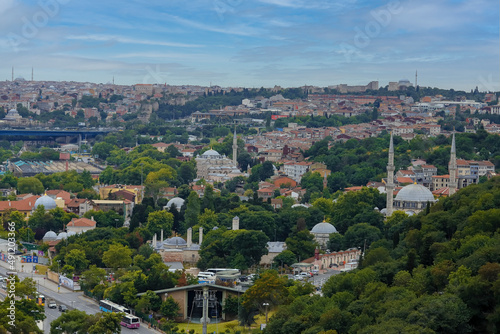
(266, 306)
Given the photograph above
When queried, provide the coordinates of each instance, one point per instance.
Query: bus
(107, 306)
(130, 321)
(39, 299)
(206, 277)
(221, 270)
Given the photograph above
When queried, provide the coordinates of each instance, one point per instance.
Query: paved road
(62, 296)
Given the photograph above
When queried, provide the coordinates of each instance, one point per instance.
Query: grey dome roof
(175, 241)
(324, 228)
(70, 233)
(415, 193)
(62, 235)
(47, 202)
(179, 202)
(210, 152)
(50, 235)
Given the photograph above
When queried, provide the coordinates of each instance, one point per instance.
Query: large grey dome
(324, 228)
(179, 202)
(415, 193)
(210, 153)
(50, 235)
(175, 241)
(47, 202)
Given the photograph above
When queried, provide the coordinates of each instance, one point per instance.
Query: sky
(253, 43)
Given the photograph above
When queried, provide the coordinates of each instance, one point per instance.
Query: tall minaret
(389, 187)
(235, 148)
(452, 168)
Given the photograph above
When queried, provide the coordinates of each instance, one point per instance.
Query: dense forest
(436, 272)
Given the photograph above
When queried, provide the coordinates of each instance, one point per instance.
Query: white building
(295, 170)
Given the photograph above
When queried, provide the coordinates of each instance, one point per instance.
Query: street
(64, 296)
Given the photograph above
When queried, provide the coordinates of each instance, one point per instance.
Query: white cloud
(120, 39)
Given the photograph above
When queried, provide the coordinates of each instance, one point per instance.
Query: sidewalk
(26, 270)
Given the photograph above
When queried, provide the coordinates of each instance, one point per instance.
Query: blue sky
(253, 43)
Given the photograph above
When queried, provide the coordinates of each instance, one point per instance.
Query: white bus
(107, 306)
(206, 277)
(221, 270)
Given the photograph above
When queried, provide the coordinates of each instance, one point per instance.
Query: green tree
(160, 220)
(169, 308)
(28, 185)
(117, 256)
(268, 289)
(93, 276)
(77, 259)
(301, 244)
(192, 209)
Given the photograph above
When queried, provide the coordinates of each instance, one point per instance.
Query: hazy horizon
(261, 43)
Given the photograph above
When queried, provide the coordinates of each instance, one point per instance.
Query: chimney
(161, 236)
(92, 218)
(201, 235)
(316, 254)
(189, 236)
(236, 223)
(154, 241)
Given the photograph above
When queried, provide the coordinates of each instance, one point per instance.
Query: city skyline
(452, 44)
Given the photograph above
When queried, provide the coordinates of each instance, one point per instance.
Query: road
(66, 297)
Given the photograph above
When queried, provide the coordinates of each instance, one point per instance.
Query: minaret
(389, 186)
(415, 79)
(235, 148)
(452, 168)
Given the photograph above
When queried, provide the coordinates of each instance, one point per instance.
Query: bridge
(46, 134)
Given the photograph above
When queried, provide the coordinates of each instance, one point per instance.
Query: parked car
(298, 277)
(52, 304)
(334, 265)
(63, 308)
(315, 271)
(306, 274)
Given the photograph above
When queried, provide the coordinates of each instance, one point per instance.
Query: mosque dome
(50, 235)
(70, 233)
(299, 206)
(177, 201)
(62, 235)
(47, 202)
(324, 228)
(210, 153)
(175, 241)
(415, 193)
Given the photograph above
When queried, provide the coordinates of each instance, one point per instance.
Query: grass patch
(223, 327)
(41, 269)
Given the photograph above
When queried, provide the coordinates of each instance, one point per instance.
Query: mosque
(214, 167)
(414, 198)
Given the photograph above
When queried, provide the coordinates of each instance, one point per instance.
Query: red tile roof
(81, 222)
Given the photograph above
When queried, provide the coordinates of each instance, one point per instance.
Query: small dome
(415, 193)
(62, 235)
(70, 233)
(324, 228)
(211, 153)
(175, 241)
(50, 235)
(177, 201)
(299, 206)
(47, 202)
